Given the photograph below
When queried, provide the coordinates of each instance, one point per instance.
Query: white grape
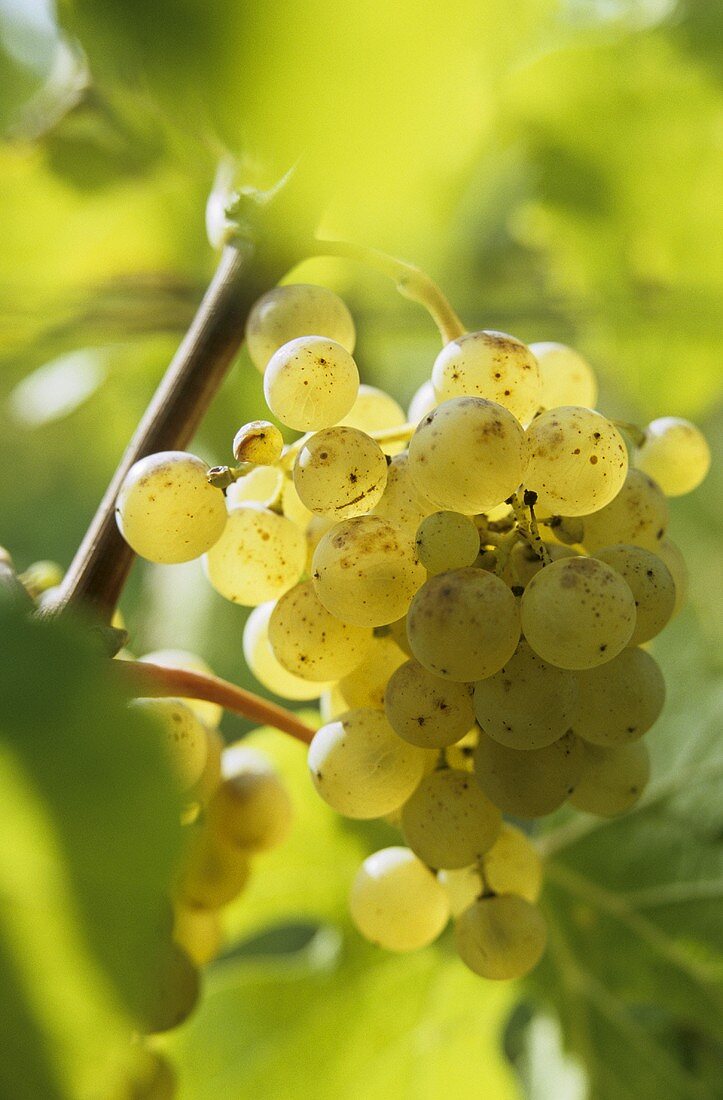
(423, 401)
(259, 441)
(297, 309)
(259, 556)
(167, 511)
(620, 701)
(447, 540)
(396, 902)
(311, 383)
(493, 365)
(251, 809)
(402, 504)
(427, 710)
(366, 684)
(512, 865)
(670, 554)
(448, 821)
(375, 410)
(262, 485)
(651, 584)
(340, 472)
(500, 937)
(638, 515)
(566, 378)
(184, 737)
(530, 782)
(613, 779)
(264, 664)
(675, 453)
(310, 642)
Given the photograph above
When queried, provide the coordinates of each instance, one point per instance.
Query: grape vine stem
(149, 680)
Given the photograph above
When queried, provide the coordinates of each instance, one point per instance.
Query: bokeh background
(556, 166)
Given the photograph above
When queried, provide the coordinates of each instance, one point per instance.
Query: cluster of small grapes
(469, 589)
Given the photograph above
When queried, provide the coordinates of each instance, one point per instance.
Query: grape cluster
(468, 589)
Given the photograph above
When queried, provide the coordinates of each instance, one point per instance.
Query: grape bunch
(468, 589)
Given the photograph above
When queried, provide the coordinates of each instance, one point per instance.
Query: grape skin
(532, 782)
(613, 779)
(468, 455)
(311, 383)
(512, 865)
(577, 461)
(340, 472)
(360, 767)
(297, 309)
(447, 540)
(310, 642)
(396, 902)
(448, 822)
(638, 515)
(500, 937)
(366, 684)
(489, 364)
(167, 511)
(577, 613)
(618, 702)
(375, 410)
(402, 504)
(463, 625)
(651, 584)
(675, 453)
(259, 556)
(264, 664)
(261, 485)
(565, 377)
(427, 710)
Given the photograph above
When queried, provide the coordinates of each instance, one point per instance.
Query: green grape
(651, 584)
(360, 767)
(675, 453)
(167, 511)
(577, 613)
(468, 455)
(297, 309)
(566, 378)
(527, 704)
(463, 625)
(315, 531)
(671, 555)
(311, 383)
(150, 1077)
(264, 664)
(500, 937)
(577, 461)
(198, 932)
(213, 872)
(512, 865)
(460, 755)
(184, 736)
(613, 779)
(448, 822)
(427, 710)
(262, 485)
(259, 556)
(209, 713)
(402, 504)
(637, 515)
(396, 902)
(423, 401)
(340, 472)
(310, 642)
(375, 410)
(365, 572)
(366, 684)
(531, 782)
(292, 506)
(259, 442)
(524, 563)
(447, 540)
(174, 990)
(621, 700)
(462, 885)
(492, 365)
(250, 809)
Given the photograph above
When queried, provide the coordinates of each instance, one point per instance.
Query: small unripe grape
(297, 309)
(396, 902)
(501, 937)
(259, 442)
(174, 991)
(166, 509)
(492, 365)
(311, 383)
(566, 378)
(675, 453)
(613, 779)
(447, 540)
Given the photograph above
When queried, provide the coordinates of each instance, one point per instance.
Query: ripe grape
(527, 704)
(311, 383)
(360, 767)
(365, 572)
(373, 411)
(577, 461)
(366, 684)
(565, 377)
(529, 782)
(167, 511)
(468, 455)
(448, 822)
(264, 664)
(340, 472)
(310, 642)
(251, 809)
(396, 902)
(462, 886)
(500, 937)
(651, 584)
(259, 441)
(259, 556)
(185, 737)
(463, 625)
(675, 453)
(427, 710)
(613, 779)
(447, 540)
(577, 613)
(402, 504)
(512, 865)
(524, 562)
(213, 873)
(493, 365)
(637, 515)
(619, 701)
(298, 309)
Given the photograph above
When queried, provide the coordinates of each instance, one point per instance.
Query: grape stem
(149, 680)
(411, 282)
(527, 524)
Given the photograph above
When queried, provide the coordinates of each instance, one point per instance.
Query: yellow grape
(259, 556)
(296, 309)
(492, 365)
(396, 902)
(501, 937)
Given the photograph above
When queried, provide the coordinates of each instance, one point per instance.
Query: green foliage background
(555, 165)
